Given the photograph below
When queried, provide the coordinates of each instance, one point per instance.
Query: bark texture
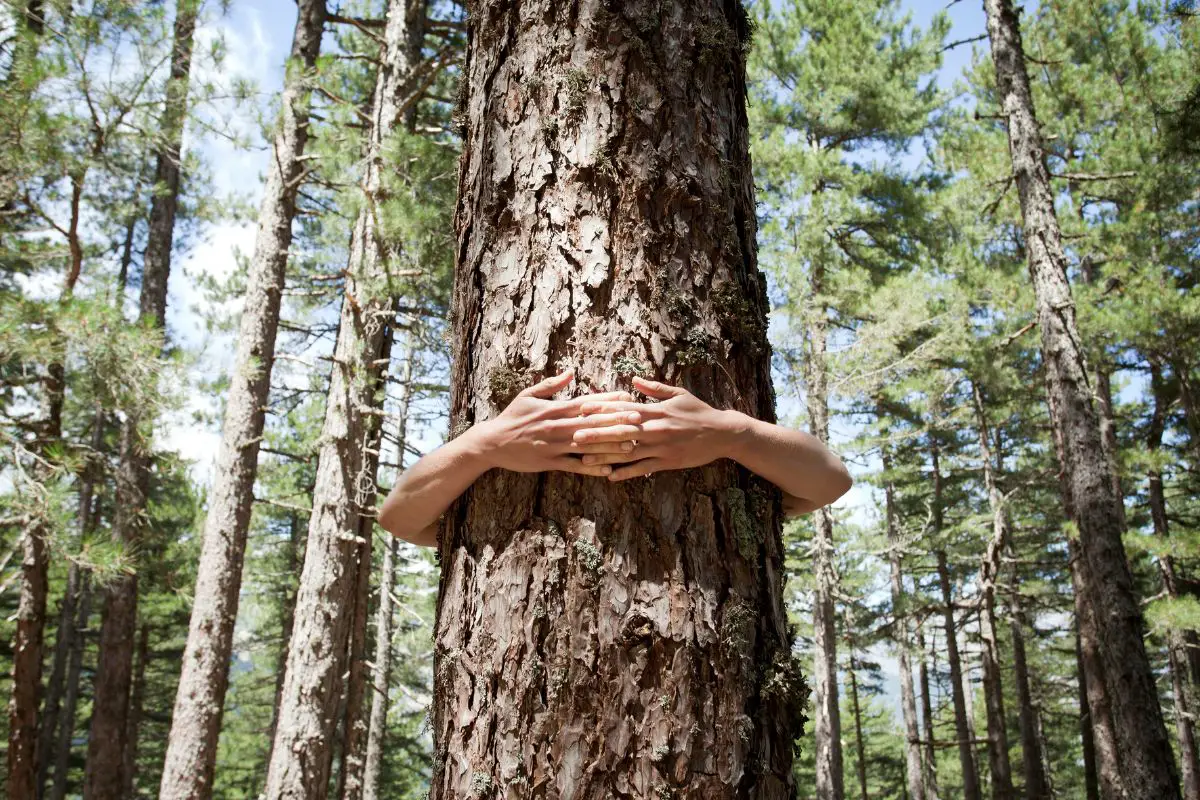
(1145, 760)
(344, 493)
(200, 699)
(597, 639)
(27, 666)
(110, 704)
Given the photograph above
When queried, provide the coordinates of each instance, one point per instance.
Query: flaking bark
(597, 639)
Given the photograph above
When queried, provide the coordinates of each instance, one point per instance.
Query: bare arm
(683, 431)
(533, 434)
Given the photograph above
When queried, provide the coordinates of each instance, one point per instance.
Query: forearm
(427, 488)
(809, 474)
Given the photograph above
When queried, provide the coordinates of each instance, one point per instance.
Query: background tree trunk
(345, 493)
(931, 787)
(606, 223)
(966, 745)
(1146, 761)
(200, 700)
(110, 703)
(136, 697)
(66, 725)
(1033, 755)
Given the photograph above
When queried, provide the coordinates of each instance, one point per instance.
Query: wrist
(739, 430)
(479, 446)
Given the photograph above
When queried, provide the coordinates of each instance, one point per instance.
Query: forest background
(879, 154)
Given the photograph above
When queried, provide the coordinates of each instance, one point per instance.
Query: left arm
(682, 431)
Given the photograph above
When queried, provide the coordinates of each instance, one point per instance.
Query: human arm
(682, 431)
(533, 434)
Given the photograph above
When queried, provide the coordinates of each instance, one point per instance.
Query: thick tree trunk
(914, 770)
(381, 672)
(110, 704)
(962, 730)
(200, 700)
(1146, 762)
(136, 697)
(1177, 640)
(989, 571)
(66, 725)
(339, 531)
(827, 722)
(599, 639)
(930, 772)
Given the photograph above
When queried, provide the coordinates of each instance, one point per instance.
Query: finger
(611, 458)
(612, 406)
(601, 420)
(548, 387)
(639, 469)
(600, 447)
(575, 403)
(656, 389)
(609, 433)
(574, 465)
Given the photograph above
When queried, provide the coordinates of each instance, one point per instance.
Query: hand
(680, 432)
(535, 433)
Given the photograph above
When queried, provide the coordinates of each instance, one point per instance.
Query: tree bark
(599, 639)
(110, 704)
(931, 786)
(1146, 762)
(989, 571)
(827, 722)
(288, 619)
(914, 769)
(136, 696)
(200, 700)
(1177, 640)
(381, 672)
(66, 725)
(966, 749)
(344, 494)
(27, 666)
(1033, 755)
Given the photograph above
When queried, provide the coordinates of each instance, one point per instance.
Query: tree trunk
(287, 620)
(931, 787)
(385, 615)
(901, 633)
(1177, 640)
(859, 746)
(599, 639)
(27, 666)
(989, 571)
(110, 704)
(962, 730)
(200, 700)
(1146, 762)
(66, 725)
(136, 696)
(1033, 755)
(827, 723)
(64, 645)
(339, 531)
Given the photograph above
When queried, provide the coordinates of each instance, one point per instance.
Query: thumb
(660, 391)
(548, 387)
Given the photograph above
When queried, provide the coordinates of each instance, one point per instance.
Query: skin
(610, 436)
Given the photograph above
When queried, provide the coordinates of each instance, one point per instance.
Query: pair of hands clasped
(608, 434)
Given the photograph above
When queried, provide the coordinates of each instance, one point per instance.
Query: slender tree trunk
(63, 646)
(1033, 756)
(288, 619)
(1177, 640)
(136, 696)
(27, 666)
(200, 699)
(66, 726)
(931, 786)
(110, 705)
(859, 745)
(827, 723)
(966, 753)
(345, 492)
(1146, 762)
(600, 639)
(902, 633)
(989, 571)
(385, 615)
(1087, 734)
